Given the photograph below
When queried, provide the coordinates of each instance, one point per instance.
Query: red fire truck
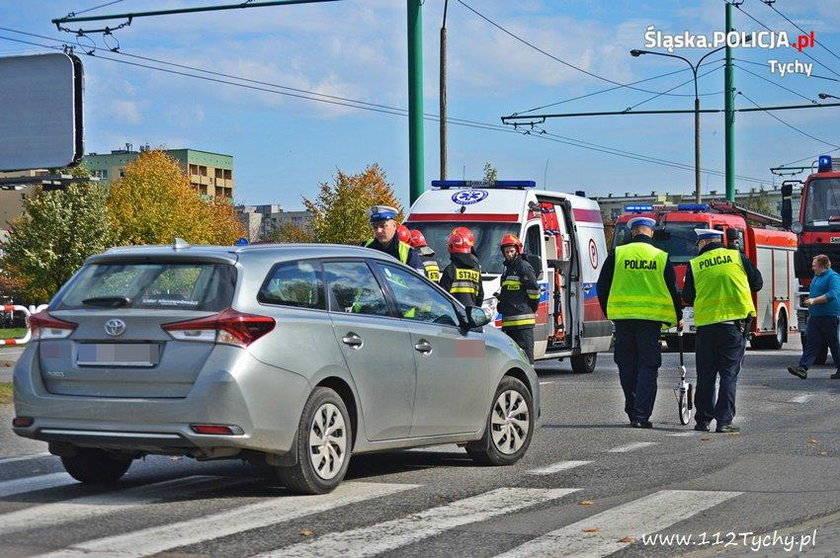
(767, 246)
(817, 227)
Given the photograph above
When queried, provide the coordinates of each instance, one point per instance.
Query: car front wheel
(510, 426)
(323, 445)
(95, 466)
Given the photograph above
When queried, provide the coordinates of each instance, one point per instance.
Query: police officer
(427, 255)
(462, 277)
(719, 283)
(385, 239)
(637, 290)
(519, 296)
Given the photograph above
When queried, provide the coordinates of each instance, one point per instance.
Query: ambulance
(563, 236)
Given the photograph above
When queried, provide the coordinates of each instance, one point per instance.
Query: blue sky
(284, 146)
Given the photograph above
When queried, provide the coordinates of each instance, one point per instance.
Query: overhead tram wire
(390, 110)
(791, 126)
(607, 90)
(630, 109)
(74, 14)
(768, 29)
(776, 83)
(772, 7)
(556, 59)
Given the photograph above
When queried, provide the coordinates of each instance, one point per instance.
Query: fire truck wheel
(585, 363)
(773, 342)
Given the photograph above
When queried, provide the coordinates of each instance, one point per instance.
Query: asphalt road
(589, 486)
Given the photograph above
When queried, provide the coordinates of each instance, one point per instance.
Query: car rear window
(188, 286)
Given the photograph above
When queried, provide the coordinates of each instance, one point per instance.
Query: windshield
(187, 286)
(487, 237)
(678, 239)
(823, 204)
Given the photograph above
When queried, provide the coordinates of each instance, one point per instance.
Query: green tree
(758, 202)
(288, 232)
(490, 173)
(50, 241)
(153, 203)
(339, 213)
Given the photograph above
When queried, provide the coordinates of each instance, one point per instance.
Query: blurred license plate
(122, 354)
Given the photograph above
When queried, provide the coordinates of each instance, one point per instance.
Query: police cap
(381, 213)
(641, 222)
(709, 234)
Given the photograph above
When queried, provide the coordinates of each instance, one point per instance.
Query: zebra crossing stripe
(801, 398)
(632, 447)
(87, 507)
(603, 533)
(559, 466)
(31, 484)
(159, 539)
(368, 541)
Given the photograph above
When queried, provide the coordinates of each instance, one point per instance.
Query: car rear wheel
(95, 466)
(509, 428)
(323, 445)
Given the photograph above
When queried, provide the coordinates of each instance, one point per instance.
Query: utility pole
(729, 113)
(443, 93)
(415, 99)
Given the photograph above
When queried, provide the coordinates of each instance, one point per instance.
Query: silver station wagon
(295, 356)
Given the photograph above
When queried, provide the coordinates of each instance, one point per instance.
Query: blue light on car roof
(824, 164)
(638, 208)
(446, 184)
(693, 207)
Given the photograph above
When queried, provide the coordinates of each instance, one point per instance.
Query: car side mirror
(476, 317)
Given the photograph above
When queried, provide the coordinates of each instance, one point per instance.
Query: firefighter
(427, 255)
(519, 295)
(385, 239)
(719, 282)
(637, 290)
(462, 277)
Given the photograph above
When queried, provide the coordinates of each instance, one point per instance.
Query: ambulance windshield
(487, 236)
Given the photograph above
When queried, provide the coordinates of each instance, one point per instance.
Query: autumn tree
(288, 232)
(50, 241)
(153, 203)
(339, 212)
(490, 173)
(759, 202)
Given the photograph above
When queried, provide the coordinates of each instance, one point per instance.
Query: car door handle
(423, 346)
(352, 340)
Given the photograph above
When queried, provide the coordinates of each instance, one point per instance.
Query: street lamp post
(694, 68)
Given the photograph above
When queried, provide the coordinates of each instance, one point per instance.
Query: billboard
(40, 111)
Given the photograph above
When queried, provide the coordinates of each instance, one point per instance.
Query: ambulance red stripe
(590, 215)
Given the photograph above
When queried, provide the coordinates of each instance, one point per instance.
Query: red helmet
(404, 234)
(458, 243)
(467, 233)
(417, 239)
(511, 240)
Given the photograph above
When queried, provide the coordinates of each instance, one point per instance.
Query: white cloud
(124, 112)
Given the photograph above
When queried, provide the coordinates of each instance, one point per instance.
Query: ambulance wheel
(584, 364)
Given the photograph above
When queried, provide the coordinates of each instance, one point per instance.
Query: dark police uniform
(719, 283)
(519, 298)
(399, 250)
(637, 290)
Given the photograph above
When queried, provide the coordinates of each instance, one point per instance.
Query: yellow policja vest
(638, 290)
(722, 288)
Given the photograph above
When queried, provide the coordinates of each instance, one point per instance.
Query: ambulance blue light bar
(824, 164)
(638, 208)
(692, 207)
(509, 184)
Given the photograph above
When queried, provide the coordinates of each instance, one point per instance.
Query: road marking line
(801, 398)
(546, 383)
(368, 541)
(443, 448)
(686, 433)
(632, 447)
(555, 467)
(606, 530)
(31, 484)
(24, 457)
(87, 507)
(276, 510)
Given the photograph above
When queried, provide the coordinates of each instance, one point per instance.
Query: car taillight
(228, 326)
(44, 326)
